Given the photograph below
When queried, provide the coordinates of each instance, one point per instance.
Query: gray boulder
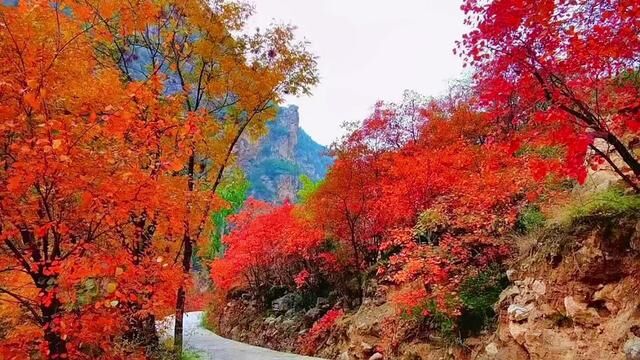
(322, 302)
(312, 315)
(284, 303)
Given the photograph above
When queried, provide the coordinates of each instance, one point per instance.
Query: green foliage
(207, 320)
(191, 355)
(545, 152)
(430, 224)
(309, 187)
(531, 218)
(434, 319)
(478, 295)
(610, 202)
(629, 78)
(441, 322)
(165, 351)
(234, 191)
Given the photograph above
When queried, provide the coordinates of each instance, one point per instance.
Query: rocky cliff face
(275, 163)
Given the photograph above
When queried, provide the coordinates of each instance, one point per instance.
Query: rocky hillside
(275, 163)
(571, 293)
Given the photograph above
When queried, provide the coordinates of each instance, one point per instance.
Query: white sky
(369, 50)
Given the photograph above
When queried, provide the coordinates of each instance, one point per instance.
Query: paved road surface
(212, 346)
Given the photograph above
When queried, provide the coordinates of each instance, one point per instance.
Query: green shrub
(531, 218)
(430, 225)
(309, 187)
(165, 351)
(545, 152)
(189, 354)
(478, 294)
(438, 321)
(610, 202)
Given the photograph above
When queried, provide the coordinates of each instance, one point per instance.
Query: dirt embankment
(574, 293)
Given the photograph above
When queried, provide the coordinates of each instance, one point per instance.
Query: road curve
(211, 346)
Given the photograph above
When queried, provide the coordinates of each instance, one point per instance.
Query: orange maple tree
(121, 118)
(80, 155)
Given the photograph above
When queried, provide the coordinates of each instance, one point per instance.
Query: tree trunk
(56, 346)
(186, 266)
(179, 323)
(181, 299)
(615, 168)
(624, 153)
(142, 330)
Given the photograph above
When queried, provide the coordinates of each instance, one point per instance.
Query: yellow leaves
(56, 144)
(111, 146)
(111, 287)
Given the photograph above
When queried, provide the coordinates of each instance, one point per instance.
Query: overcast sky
(369, 50)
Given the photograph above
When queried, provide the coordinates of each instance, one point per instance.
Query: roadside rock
(366, 348)
(285, 303)
(588, 255)
(539, 287)
(579, 312)
(611, 295)
(289, 324)
(518, 312)
(322, 302)
(506, 294)
(491, 349)
(517, 332)
(270, 320)
(632, 348)
(312, 315)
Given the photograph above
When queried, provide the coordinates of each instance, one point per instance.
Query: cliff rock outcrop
(275, 163)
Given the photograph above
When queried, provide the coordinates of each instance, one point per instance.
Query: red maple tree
(564, 70)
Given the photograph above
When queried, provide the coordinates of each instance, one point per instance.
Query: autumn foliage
(118, 121)
(562, 73)
(269, 246)
(424, 195)
(319, 331)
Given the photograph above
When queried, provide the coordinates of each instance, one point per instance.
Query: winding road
(211, 346)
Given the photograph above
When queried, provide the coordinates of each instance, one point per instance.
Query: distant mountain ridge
(275, 163)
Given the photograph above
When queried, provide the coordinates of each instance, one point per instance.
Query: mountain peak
(275, 163)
